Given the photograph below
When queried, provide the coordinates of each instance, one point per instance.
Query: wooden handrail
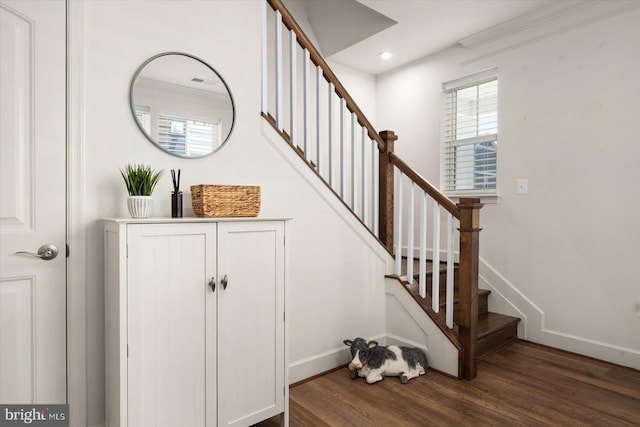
(317, 59)
(426, 186)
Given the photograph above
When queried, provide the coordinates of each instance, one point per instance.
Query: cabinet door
(171, 325)
(250, 322)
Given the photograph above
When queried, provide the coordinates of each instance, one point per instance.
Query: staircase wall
(337, 269)
(563, 256)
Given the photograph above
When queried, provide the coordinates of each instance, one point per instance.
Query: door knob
(225, 282)
(45, 252)
(212, 284)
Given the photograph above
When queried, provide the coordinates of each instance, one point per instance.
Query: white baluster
(265, 49)
(318, 117)
(398, 220)
(435, 277)
(422, 266)
(293, 88)
(307, 83)
(279, 95)
(364, 175)
(450, 307)
(330, 140)
(410, 233)
(343, 182)
(354, 192)
(375, 210)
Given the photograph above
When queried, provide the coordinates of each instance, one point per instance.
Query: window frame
(448, 90)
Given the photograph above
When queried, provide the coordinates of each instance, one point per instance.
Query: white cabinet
(195, 323)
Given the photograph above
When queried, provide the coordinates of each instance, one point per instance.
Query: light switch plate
(522, 186)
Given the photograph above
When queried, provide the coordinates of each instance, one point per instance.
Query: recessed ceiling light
(205, 81)
(386, 55)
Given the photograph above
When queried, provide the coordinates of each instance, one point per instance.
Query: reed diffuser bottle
(176, 195)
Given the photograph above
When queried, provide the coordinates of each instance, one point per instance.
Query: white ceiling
(338, 24)
(423, 27)
(181, 70)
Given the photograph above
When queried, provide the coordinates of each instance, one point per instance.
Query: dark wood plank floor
(522, 385)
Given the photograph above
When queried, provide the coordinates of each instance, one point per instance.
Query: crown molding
(556, 18)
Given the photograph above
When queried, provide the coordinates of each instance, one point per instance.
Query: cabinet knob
(224, 282)
(212, 284)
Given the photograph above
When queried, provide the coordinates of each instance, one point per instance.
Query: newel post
(468, 283)
(385, 189)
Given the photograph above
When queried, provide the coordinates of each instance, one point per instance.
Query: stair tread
(429, 271)
(414, 288)
(492, 322)
(481, 292)
(428, 266)
(495, 330)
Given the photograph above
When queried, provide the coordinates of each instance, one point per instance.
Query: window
(470, 133)
(188, 137)
(144, 117)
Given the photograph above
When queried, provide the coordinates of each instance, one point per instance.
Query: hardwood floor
(522, 385)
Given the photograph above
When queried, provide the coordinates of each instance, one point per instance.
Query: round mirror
(182, 104)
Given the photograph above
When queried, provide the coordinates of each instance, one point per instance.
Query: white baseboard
(508, 299)
(442, 355)
(401, 341)
(407, 324)
(322, 362)
(410, 326)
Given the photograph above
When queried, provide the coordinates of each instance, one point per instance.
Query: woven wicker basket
(225, 200)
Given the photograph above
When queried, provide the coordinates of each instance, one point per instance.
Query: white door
(32, 202)
(250, 322)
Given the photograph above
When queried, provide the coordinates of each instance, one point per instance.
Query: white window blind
(187, 137)
(144, 117)
(470, 134)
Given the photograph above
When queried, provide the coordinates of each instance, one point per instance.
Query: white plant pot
(139, 206)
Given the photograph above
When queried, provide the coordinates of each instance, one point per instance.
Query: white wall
(565, 253)
(336, 276)
(362, 88)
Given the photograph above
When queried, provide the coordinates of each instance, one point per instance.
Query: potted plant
(140, 180)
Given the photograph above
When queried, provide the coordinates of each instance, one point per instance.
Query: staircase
(304, 101)
(495, 331)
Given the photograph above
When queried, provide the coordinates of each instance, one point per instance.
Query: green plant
(140, 179)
